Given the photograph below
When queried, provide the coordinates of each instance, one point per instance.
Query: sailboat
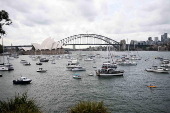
(2, 66)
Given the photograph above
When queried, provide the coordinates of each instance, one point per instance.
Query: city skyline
(133, 20)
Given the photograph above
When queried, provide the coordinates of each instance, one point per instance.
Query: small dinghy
(39, 63)
(151, 86)
(90, 74)
(77, 76)
(41, 70)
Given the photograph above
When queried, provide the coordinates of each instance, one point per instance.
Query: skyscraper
(156, 39)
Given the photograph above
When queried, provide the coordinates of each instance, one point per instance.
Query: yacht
(127, 63)
(109, 72)
(161, 70)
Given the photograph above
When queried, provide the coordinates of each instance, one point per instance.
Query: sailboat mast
(3, 49)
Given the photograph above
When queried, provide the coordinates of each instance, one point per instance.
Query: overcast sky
(36, 20)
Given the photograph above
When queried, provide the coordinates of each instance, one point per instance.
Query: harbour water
(56, 91)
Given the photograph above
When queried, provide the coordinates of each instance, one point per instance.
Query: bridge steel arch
(109, 41)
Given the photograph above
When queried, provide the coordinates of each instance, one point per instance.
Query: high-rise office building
(156, 39)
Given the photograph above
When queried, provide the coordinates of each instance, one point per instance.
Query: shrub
(89, 107)
(20, 104)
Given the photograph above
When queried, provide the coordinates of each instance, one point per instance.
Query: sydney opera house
(48, 46)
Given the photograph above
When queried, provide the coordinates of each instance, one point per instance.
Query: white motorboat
(3, 68)
(41, 70)
(53, 62)
(23, 61)
(77, 76)
(89, 59)
(151, 69)
(127, 63)
(22, 80)
(78, 69)
(165, 65)
(9, 65)
(109, 65)
(73, 64)
(90, 74)
(109, 72)
(161, 70)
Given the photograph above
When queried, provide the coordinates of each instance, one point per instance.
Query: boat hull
(112, 74)
(21, 82)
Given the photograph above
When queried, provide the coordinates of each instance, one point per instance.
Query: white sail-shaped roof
(48, 43)
(43, 44)
(37, 46)
(59, 45)
(55, 45)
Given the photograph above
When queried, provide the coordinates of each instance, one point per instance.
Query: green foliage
(89, 107)
(20, 104)
(4, 20)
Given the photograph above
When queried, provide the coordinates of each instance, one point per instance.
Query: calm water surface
(57, 91)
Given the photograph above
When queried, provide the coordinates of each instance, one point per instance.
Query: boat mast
(3, 49)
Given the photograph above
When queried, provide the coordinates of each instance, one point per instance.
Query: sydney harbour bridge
(83, 39)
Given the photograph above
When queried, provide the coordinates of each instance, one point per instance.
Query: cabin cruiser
(3, 68)
(73, 63)
(161, 70)
(9, 65)
(151, 69)
(109, 65)
(109, 72)
(78, 69)
(127, 63)
(22, 80)
(41, 70)
(44, 60)
(165, 65)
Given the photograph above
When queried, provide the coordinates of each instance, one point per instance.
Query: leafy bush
(20, 104)
(89, 107)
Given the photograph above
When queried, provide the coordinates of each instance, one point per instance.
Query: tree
(4, 20)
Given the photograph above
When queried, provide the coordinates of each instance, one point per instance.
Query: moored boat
(41, 70)
(109, 72)
(78, 69)
(161, 70)
(22, 80)
(38, 63)
(77, 76)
